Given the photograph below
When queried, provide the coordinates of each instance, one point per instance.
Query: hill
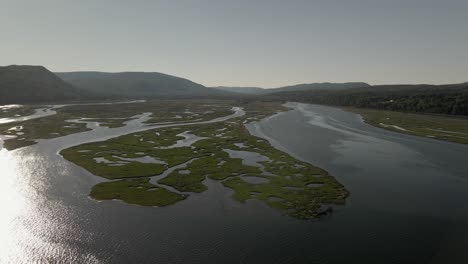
(298, 87)
(32, 84)
(242, 90)
(137, 84)
(444, 99)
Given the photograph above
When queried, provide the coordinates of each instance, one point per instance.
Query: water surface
(406, 204)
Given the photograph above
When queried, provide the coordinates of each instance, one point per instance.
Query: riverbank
(447, 128)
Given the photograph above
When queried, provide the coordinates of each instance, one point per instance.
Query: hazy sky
(244, 43)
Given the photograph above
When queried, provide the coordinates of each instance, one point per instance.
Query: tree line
(440, 99)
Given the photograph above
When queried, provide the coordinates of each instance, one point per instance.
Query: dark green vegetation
(447, 128)
(136, 84)
(442, 99)
(319, 86)
(136, 191)
(109, 115)
(30, 84)
(292, 186)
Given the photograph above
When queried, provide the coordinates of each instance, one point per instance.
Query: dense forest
(442, 99)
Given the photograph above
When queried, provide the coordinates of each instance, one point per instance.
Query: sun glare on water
(33, 227)
(25, 223)
(14, 206)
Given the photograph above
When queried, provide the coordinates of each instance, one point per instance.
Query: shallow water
(188, 140)
(248, 158)
(39, 112)
(406, 203)
(144, 159)
(255, 180)
(50, 110)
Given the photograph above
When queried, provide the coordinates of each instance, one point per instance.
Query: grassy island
(163, 166)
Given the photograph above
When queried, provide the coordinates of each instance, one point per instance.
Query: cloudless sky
(244, 42)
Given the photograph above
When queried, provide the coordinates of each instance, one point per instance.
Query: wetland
(222, 151)
(146, 189)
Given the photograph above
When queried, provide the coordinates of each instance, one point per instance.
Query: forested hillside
(33, 84)
(443, 99)
(138, 84)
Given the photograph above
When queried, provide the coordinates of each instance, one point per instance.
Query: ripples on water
(34, 227)
(48, 217)
(44, 199)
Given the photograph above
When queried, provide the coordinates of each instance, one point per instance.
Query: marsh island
(163, 166)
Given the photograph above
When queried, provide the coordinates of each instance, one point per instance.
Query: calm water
(407, 204)
(50, 110)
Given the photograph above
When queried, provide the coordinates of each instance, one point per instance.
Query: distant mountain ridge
(32, 84)
(243, 90)
(36, 84)
(297, 87)
(137, 84)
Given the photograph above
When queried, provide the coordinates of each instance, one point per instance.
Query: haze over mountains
(36, 84)
(31, 84)
(136, 84)
(297, 87)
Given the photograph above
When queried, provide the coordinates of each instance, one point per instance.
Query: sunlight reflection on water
(43, 209)
(33, 228)
(14, 204)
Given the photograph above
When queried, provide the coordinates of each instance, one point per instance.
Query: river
(406, 203)
(48, 110)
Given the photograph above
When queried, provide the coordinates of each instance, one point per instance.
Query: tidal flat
(76, 118)
(294, 187)
(8, 111)
(441, 127)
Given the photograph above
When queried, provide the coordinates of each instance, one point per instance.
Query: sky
(243, 42)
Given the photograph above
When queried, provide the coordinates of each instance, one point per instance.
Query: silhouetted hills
(298, 87)
(36, 84)
(31, 84)
(137, 84)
